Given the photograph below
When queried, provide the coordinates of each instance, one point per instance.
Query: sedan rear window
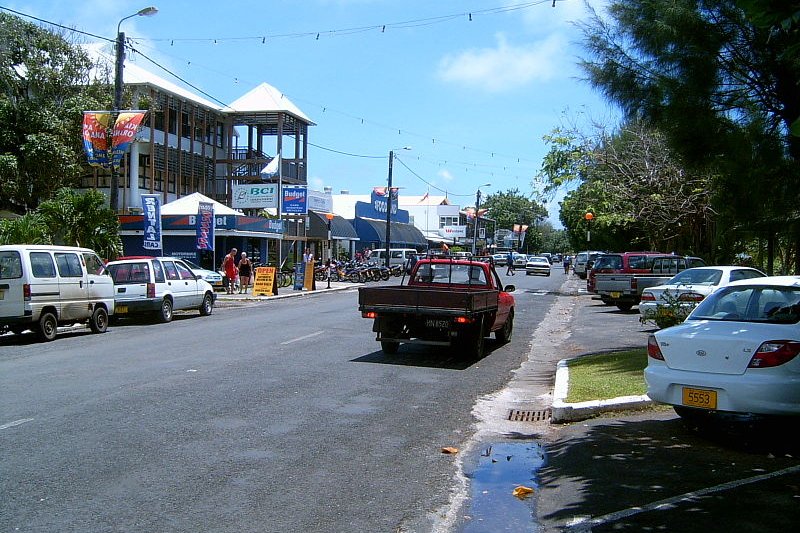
(777, 305)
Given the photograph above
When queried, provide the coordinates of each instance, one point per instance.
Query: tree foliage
(718, 82)
(44, 88)
(69, 218)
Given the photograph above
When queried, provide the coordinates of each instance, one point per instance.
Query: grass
(607, 375)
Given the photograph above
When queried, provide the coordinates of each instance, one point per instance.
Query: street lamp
(329, 217)
(389, 206)
(477, 216)
(589, 216)
(119, 64)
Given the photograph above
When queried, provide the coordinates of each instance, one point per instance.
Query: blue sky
(472, 98)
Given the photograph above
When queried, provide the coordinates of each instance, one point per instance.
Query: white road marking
(304, 337)
(16, 423)
(587, 523)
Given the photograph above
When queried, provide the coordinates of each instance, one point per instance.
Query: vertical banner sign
(308, 277)
(125, 129)
(205, 226)
(295, 200)
(151, 206)
(95, 137)
(299, 276)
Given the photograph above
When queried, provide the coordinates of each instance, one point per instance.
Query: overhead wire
(404, 24)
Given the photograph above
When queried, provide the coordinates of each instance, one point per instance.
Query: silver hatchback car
(158, 285)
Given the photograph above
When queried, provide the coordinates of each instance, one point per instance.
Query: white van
(42, 286)
(398, 256)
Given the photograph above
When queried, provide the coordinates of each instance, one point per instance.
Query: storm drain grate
(517, 415)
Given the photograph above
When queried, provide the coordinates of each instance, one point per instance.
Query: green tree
(26, 229)
(721, 84)
(512, 207)
(45, 86)
(77, 219)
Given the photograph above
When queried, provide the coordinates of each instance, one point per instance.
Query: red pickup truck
(624, 263)
(444, 302)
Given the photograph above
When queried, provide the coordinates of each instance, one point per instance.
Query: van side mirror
(509, 288)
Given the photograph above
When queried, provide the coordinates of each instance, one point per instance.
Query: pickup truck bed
(447, 302)
(424, 300)
(625, 290)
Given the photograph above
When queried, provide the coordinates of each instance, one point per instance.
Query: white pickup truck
(625, 290)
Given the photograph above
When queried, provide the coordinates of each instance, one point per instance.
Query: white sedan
(688, 288)
(736, 353)
(537, 265)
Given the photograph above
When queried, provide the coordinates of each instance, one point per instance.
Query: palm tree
(27, 229)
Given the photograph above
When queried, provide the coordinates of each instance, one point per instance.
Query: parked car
(520, 260)
(212, 277)
(42, 286)
(500, 259)
(537, 265)
(687, 289)
(736, 354)
(159, 285)
(583, 261)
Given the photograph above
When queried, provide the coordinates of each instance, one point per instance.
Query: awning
(341, 229)
(435, 237)
(402, 235)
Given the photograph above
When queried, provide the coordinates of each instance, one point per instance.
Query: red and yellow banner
(95, 137)
(125, 129)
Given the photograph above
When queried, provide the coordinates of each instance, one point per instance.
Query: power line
(56, 25)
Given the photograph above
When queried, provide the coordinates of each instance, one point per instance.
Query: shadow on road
(617, 469)
(426, 357)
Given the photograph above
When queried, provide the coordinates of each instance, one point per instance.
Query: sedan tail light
(648, 297)
(652, 348)
(774, 353)
(690, 297)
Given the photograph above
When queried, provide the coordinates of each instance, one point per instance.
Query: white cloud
(445, 175)
(506, 66)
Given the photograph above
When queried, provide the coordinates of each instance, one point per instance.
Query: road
(277, 417)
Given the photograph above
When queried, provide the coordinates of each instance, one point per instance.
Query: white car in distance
(688, 288)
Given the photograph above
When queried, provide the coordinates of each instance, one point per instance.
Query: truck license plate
(436, 323)
(707, 399)
(616, 294)
(120, 309)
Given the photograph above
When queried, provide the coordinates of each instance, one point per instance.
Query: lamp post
(477, 217)
(389, 206)
(329, 217)
(589, 216)
(119, 65)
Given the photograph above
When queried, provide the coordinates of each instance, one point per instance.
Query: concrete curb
(562, 411)
(230, 298)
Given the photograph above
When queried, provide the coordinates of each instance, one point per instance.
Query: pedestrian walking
(510, 264)
(567, 263)
(245, 267)
(229, 268)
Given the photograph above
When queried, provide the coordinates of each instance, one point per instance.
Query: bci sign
(262, 195)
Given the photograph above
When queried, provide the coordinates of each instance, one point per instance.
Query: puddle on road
(501, 468)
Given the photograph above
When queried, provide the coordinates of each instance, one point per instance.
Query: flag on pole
(380, 191)
(271, 170)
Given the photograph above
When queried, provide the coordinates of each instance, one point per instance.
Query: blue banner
(299, 275)
(151, 207)
(295, 200)
(205, 226)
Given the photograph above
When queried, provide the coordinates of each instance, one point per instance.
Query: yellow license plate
(707, 399)
(616, 294)
(120, 309)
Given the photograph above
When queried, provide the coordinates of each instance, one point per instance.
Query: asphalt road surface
(272, 417)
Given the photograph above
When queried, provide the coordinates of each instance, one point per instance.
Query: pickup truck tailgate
(420, 300)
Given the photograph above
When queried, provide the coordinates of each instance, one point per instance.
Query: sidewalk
(595, 328)
(224, 298)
